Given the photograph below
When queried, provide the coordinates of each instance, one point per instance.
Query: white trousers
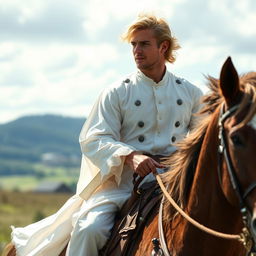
(92, 231)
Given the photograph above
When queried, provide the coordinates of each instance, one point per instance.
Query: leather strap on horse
(161, 230)
(240, 237)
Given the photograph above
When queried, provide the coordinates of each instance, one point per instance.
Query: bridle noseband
(223, 150)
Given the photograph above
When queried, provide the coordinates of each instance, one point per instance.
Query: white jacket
(136, 114)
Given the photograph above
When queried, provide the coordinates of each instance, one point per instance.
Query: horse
(212, 177)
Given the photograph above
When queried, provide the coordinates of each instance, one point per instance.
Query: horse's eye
(237, 141)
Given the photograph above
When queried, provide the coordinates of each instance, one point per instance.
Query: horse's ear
(229, 82)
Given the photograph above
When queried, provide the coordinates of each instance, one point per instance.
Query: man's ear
(164, 46)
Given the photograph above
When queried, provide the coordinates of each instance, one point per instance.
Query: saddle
(131, 219)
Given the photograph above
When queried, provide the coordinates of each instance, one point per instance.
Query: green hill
(31, 139)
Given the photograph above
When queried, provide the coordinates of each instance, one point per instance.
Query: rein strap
(239, 237)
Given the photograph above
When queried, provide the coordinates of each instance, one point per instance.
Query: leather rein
(245, 236)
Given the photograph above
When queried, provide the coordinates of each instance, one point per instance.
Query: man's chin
(141, 66)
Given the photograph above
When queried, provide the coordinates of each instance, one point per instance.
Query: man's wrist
(128, 158)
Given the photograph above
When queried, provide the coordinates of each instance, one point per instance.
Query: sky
(56, 56)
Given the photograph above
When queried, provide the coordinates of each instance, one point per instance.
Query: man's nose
(137, 49)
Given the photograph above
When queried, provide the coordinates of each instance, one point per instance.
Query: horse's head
(237, 125)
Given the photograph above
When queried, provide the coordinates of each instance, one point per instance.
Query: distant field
(69, 176)
(22, 208)
(29, 183)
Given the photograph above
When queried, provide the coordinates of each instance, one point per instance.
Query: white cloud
(192, 55)
(240, 15)
(56, 56)
(60, 61)
(113, 11)
(61, 77)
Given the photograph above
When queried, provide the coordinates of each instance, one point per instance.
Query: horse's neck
(208, 206)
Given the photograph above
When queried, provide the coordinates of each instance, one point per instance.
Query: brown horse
(200, 179)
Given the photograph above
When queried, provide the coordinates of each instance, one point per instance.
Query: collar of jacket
(143, 78)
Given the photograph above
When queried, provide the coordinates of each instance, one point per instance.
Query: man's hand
(142, 164)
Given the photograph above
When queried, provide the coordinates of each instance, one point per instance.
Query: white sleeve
(100, 136)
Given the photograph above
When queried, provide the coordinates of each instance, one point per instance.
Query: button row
(128, 81)
(138, 102)
(141, 138)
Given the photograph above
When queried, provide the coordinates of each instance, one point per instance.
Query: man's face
(147, 54)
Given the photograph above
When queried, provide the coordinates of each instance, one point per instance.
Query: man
(142, 115)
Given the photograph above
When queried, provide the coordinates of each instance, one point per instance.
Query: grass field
(69, 176)
(22, 208)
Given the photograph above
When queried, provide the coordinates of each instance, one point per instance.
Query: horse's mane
(183, 162)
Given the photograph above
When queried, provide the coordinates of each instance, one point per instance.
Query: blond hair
(161, 30)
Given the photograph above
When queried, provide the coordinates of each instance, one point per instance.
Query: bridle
(246, 238)
(223, 151)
